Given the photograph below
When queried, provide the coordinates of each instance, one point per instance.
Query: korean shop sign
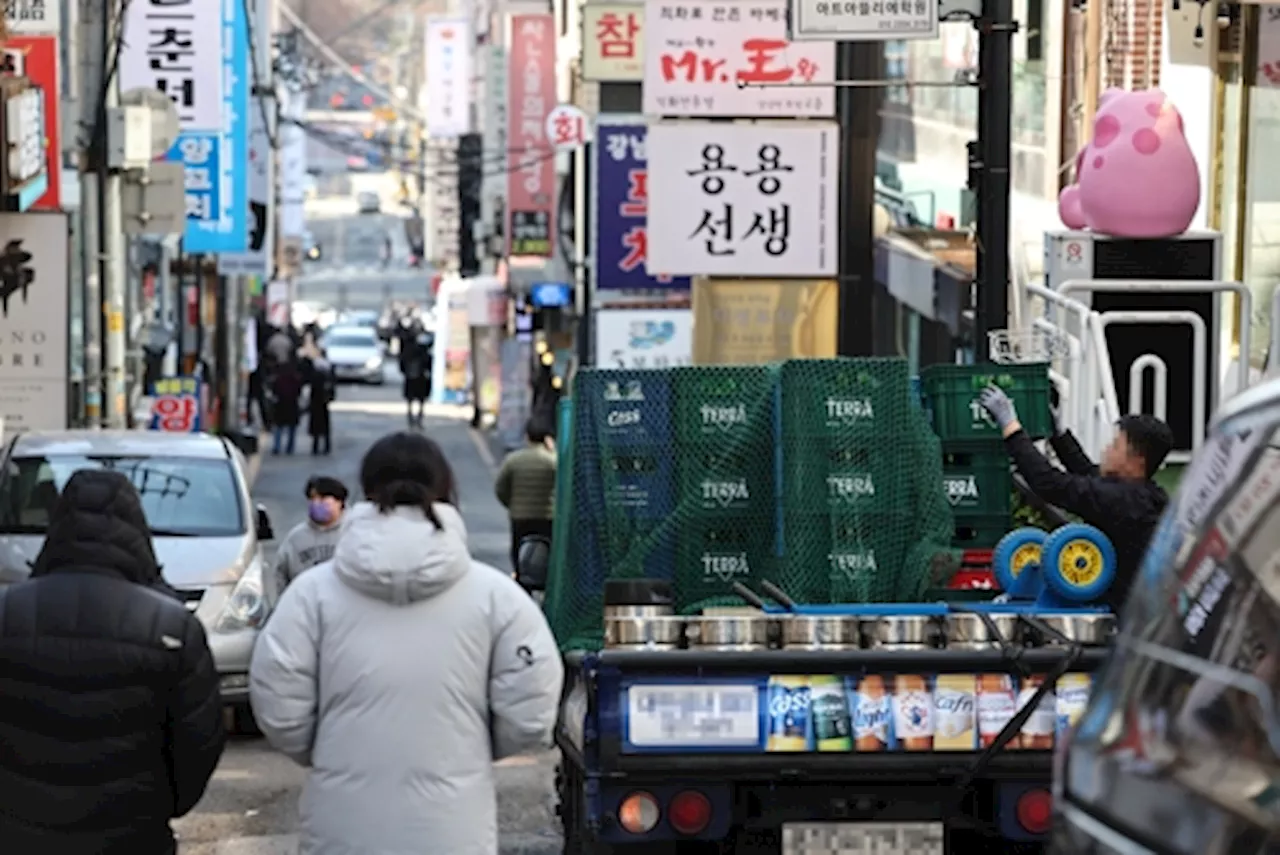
(531, 93)
(24, 174)
(742, 200)
(621, 186)
(613, 43)
(863, 20)
(712, 58)
(32, 17)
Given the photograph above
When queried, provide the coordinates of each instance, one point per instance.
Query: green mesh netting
(821, 476)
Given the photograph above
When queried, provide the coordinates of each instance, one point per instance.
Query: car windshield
(1186, 713)
(349, 339)
(181, 496)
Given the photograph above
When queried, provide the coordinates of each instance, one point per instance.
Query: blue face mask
(320, 512)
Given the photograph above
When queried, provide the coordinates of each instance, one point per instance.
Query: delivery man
(1118, 497)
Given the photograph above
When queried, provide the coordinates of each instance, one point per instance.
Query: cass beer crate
(980, 531)
(615, 408)
(844, 402)
(638, 482)
(724, 406)
(976, 478)
(952, 391)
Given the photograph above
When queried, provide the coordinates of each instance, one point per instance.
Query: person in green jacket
(526, 486)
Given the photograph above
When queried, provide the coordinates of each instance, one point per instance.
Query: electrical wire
(349, 144)
(115, 46)
(259, 89)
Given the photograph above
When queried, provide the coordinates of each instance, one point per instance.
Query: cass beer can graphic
(997, 705)
(830, 711)
(1037, 731)
(872, 713)
(955, 726)
(913, 712)
(789, 714)
(1073, 697)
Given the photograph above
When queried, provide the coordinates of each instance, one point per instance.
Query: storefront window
(1262, 252)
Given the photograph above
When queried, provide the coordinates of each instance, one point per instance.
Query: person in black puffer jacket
(110, 716)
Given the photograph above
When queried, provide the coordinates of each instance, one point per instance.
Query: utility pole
(94, 23)
(858, 112)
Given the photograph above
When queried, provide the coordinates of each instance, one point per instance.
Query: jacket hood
(400, 556)
(97, 525)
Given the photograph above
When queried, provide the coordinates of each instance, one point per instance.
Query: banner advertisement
(752, 321)
(613, 43)
(257, 258)
(494, 183)
(743, 200)
(38, 56)
(885, 21)
(176, 405)
(531, 94)
(643, 338)
(170, 48)
(486, 367)
(451, 357)
(449, 50)
(621, 183)
(486, 302)
(444, 248)
(293, 166)
(32, 17)
(24, 172)
(713, 58)
(516, 394)
(34, 291)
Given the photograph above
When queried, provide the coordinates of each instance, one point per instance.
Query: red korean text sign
(531, 95)
(176, 405)
(40, 60)
(709, 58)
(613, 43)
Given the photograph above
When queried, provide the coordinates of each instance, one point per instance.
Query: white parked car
(355, 353)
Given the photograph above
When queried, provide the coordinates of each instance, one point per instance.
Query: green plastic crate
(844, 400)
(952, 394)
(976, 478)
(846, 480)
(715, 486)
(980, 531)
(730, 405)
(710, 557)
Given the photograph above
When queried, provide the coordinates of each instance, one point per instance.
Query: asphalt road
(350, 273)
(251, 805)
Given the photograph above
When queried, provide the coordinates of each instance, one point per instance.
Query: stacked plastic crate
(976, 469)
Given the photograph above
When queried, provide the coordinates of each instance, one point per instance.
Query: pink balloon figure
(1137, 177)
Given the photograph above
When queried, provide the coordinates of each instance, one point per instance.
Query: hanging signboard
(643, 338)
(753, 321)
(743, 200)
(24, 169)
(862, 20)
(621, 187)
(613, 43)
(256, 260)
(449, 49)
(175, 405)
(714, 58)
(37, 57)
(32, 17)
(34, 299)
(531, 179)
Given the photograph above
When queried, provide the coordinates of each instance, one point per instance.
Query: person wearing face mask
(311, 542)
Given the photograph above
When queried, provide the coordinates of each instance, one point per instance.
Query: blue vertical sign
(217, 164)
(622, 200)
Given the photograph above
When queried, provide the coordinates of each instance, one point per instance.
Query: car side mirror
(532, 561)
(265, 531)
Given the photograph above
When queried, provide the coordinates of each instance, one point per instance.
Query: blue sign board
(217, 163)
(622, 198)
(546, 295)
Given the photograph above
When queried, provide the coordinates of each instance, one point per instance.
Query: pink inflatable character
(1137, 177)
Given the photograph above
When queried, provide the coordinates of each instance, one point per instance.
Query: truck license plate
(702, 716)
(862, 838)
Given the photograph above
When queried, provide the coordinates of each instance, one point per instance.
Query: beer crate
(711, 556)
(977, 478)
(725, 407)
(844, 401)
(862, 554)
(952, 394)
(637, 482)
(616, 408)
(716, 486)
(980, 531)
(865, 480)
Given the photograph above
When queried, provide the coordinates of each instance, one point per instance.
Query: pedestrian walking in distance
(313, 541)
(110, 717)
(526, 487)
(415, 365)
(322, 390)
(288, 408)
(399, 671)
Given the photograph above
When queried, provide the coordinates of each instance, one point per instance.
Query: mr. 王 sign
(24, 174)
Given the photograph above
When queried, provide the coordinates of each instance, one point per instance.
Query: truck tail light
(639, 813)
(1035, 811)
(690, 812)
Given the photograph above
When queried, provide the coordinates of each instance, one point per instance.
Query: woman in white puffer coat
(400, 670)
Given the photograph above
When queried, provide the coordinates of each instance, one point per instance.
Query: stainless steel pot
(1088, 629)
(896, 630)
(969, 629)
(729, 632)
(821, 632)
(660, 632)
(638, 611)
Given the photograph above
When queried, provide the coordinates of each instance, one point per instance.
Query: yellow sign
(748, 321)
(613, 43)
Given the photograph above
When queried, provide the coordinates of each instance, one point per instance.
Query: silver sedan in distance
(355, 353)
(205, 529)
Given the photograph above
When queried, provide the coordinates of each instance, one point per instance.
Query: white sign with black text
(643, 338)
(33, 17)
(175, 47)
(444, 216)
(742, 200)
(450, 48)
(33, 321)
(863, 20)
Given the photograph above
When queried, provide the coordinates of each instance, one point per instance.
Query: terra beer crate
(952, 394)
(977, 478)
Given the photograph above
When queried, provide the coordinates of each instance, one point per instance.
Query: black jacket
(1127, 512)
(110, 717)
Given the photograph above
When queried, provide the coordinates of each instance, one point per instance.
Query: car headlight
(246, 608)
(373, 362)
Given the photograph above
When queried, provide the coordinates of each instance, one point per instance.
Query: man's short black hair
(1149, 437)
(537, 430)
(324, 486)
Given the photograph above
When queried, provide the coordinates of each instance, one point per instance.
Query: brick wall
(1131, 43)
